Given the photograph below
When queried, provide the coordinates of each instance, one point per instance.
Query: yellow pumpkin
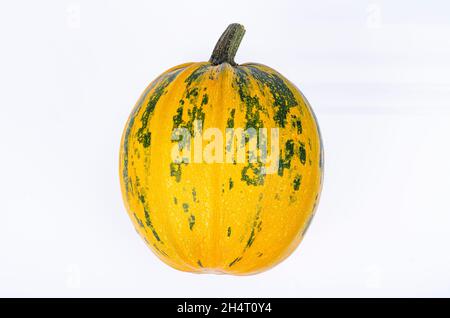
(207, 209)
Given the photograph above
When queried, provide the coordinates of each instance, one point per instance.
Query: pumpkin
(207, 211)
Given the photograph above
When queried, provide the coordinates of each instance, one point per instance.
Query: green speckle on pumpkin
(162, 83)
(138, 220)
(298, 124)
(204, 99)
(252, 174)
(160, 250)
(191, 94)
(285, 162)
(195, 75)
(302, 153)
(191, 221)
(283, 97)
(150, 224)
(251, 239)
(145, 139)
(175, 171)
(256, 227)
(253, 108)
(143, 135)
(178, 118)
(297, 182)
(230, 120)
(235, 261)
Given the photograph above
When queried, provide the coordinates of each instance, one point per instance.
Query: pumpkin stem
(228, 44)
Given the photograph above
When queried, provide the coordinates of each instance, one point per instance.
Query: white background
(377, 74)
